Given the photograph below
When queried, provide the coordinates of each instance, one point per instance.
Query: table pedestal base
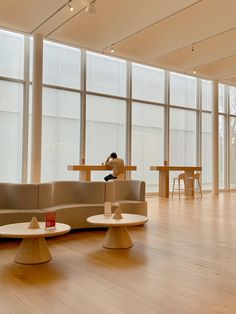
(117, 238)
(33, 251)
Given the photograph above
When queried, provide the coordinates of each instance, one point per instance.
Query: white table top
(21, 230)
(127, 220)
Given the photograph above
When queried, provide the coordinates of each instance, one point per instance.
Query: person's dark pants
(109, 177)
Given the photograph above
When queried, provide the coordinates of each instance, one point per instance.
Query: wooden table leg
(164, 183)
(85, 175)
(117, 238)
(33, 251)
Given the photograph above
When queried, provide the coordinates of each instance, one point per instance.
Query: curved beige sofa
(73, 201)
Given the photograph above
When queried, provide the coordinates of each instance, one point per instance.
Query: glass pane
(11, 107)
(147, 142)
(221, 151)
(147, 83)
(61, 65)
(11, 54)
(182, 90)
(221, 98)
(105, 131)
(60, 135)
(206, 95)
(206, 151)
(182, 137)
(106, 75)
(232, 153)
(232, 100)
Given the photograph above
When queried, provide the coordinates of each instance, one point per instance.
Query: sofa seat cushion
(133, 207)
(10, 216)
(74, 214)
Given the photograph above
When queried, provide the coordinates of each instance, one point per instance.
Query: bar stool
(191, 182)
(178, 179)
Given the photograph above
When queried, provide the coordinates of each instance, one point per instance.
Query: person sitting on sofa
(116, 164)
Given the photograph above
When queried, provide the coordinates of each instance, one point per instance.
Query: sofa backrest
(69, 192)
(18, 196)
(125, 190)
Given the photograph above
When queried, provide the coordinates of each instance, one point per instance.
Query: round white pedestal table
(117, 236)
(33, 248)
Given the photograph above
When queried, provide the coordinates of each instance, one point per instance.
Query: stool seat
(178, 179)
(191, 182)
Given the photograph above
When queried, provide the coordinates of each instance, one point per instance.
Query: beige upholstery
(18, 196)
(68, 192)
(73, 201)
(130, 194)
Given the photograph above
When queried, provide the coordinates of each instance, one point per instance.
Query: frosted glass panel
(147, 83)
(182, 137)
(11, 54)
(232, 142)
(11, 102)
(232, 100)
(206, 95)
(61, 65)
(61, 134)
(221, 98)
(206, 151)
(106, 75)
(147, 142)
(182, 90)
(105, 131)
(221, 151)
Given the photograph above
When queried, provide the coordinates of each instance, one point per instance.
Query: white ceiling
(180, 35)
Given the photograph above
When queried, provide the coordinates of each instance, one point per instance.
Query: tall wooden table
(85, 170)
(164, 177)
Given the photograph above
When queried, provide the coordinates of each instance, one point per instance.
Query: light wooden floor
(183, 261)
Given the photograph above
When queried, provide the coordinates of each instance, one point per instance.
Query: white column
(37, 109)
(215, 141)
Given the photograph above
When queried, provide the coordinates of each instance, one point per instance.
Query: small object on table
(50, 221)
(107, 208)
(34, 223)
(117, 214)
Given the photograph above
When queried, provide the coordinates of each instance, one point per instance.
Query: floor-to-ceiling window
(159, 114)
(206, 149)
(61, 111)
(222, 135)
(232, 139)
(105, 115)
(11, 105)
(147, 123)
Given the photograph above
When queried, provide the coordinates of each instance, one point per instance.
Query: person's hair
(113, 155)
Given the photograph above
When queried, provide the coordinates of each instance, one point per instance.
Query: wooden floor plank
(183, 261)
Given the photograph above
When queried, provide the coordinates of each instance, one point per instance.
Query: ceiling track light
(112, 49)
(90, 9)
(70, 6)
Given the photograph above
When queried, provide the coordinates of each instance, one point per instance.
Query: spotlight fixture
(194, 71)
(112, 49)
(70, 6)
(90, 9)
